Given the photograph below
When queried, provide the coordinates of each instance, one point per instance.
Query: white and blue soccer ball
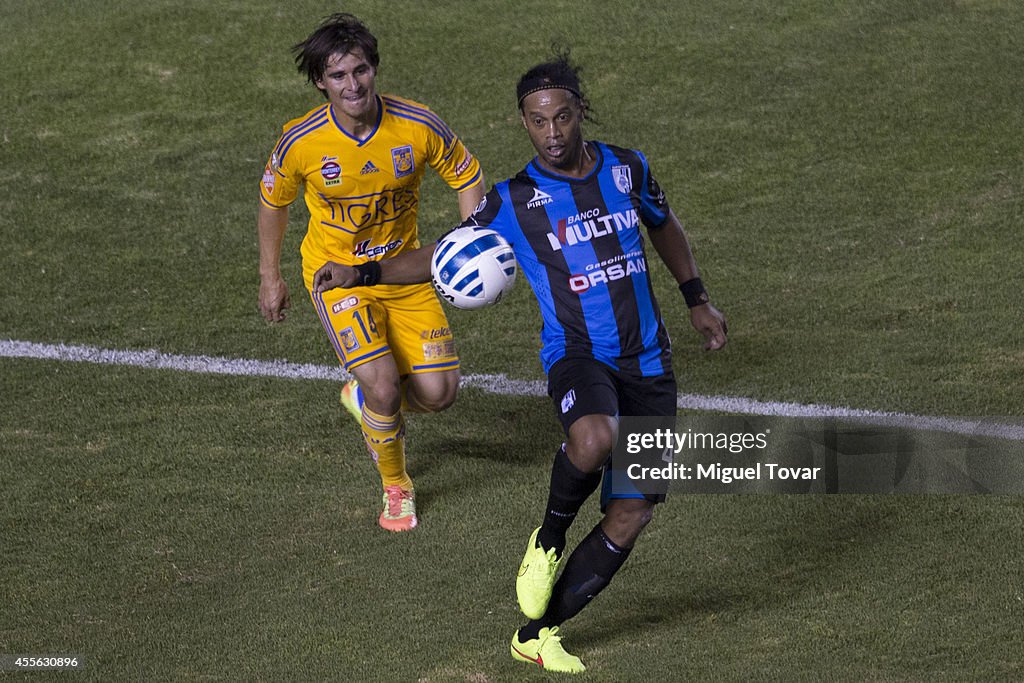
(472, 267)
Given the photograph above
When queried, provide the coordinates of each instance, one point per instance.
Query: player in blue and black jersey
(573, 218)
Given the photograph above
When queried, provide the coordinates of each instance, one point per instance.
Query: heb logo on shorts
(568, 401)
(344, 304)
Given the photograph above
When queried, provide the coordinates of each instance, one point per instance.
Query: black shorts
(585, 386)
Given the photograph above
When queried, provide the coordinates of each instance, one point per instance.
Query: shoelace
(552, 636)
(396, 498)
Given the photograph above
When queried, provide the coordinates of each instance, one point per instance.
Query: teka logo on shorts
(344, 304)
(436, 333)
(568, 401)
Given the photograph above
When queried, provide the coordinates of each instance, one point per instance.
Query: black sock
(569, 489)
(589, 569)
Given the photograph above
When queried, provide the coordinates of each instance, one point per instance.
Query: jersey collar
(598, 161)
(376, 126)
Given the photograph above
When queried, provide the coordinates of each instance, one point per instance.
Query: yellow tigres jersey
(363, 196)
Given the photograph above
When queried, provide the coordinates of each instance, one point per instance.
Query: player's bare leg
(430, 392)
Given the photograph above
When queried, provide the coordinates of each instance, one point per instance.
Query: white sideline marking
(494, 384)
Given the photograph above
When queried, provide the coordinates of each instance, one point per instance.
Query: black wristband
(369, 273)
(694, 292)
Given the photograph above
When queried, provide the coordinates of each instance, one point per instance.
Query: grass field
(851, 177)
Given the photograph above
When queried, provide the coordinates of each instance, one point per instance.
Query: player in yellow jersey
(359, 159)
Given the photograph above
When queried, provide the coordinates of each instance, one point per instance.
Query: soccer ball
(472, 267)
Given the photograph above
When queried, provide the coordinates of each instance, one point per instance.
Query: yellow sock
(385, 437)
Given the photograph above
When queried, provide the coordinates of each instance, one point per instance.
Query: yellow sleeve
(452, 161)
(284, 172)
(281, 179)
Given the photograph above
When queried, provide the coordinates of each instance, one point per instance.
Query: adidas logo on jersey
(369, 168)
(540, 198)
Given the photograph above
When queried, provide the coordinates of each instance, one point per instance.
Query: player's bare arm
(470, 198)
(408, 268)
(273, 297)
(673, 247)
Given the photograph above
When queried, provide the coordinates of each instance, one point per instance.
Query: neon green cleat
(546, 651)
(536, 578)
(399, 512)
(350, 400)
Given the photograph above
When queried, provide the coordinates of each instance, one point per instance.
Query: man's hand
(709, 321)
(274, 298)
(331, 275)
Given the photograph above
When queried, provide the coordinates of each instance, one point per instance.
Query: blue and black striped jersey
(579, 244)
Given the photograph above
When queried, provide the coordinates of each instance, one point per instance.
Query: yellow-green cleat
(546, 651)
(350, 400)
(536, 578)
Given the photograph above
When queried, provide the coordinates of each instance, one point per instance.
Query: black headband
(532, 85)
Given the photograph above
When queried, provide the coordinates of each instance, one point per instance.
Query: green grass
(850, 175)
(228, 538)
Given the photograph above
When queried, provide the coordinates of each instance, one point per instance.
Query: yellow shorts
(406, 321)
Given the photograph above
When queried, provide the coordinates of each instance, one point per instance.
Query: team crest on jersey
(403, 161)
(623, 178)
(540, 198)
(331, 171)
(348, 340)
